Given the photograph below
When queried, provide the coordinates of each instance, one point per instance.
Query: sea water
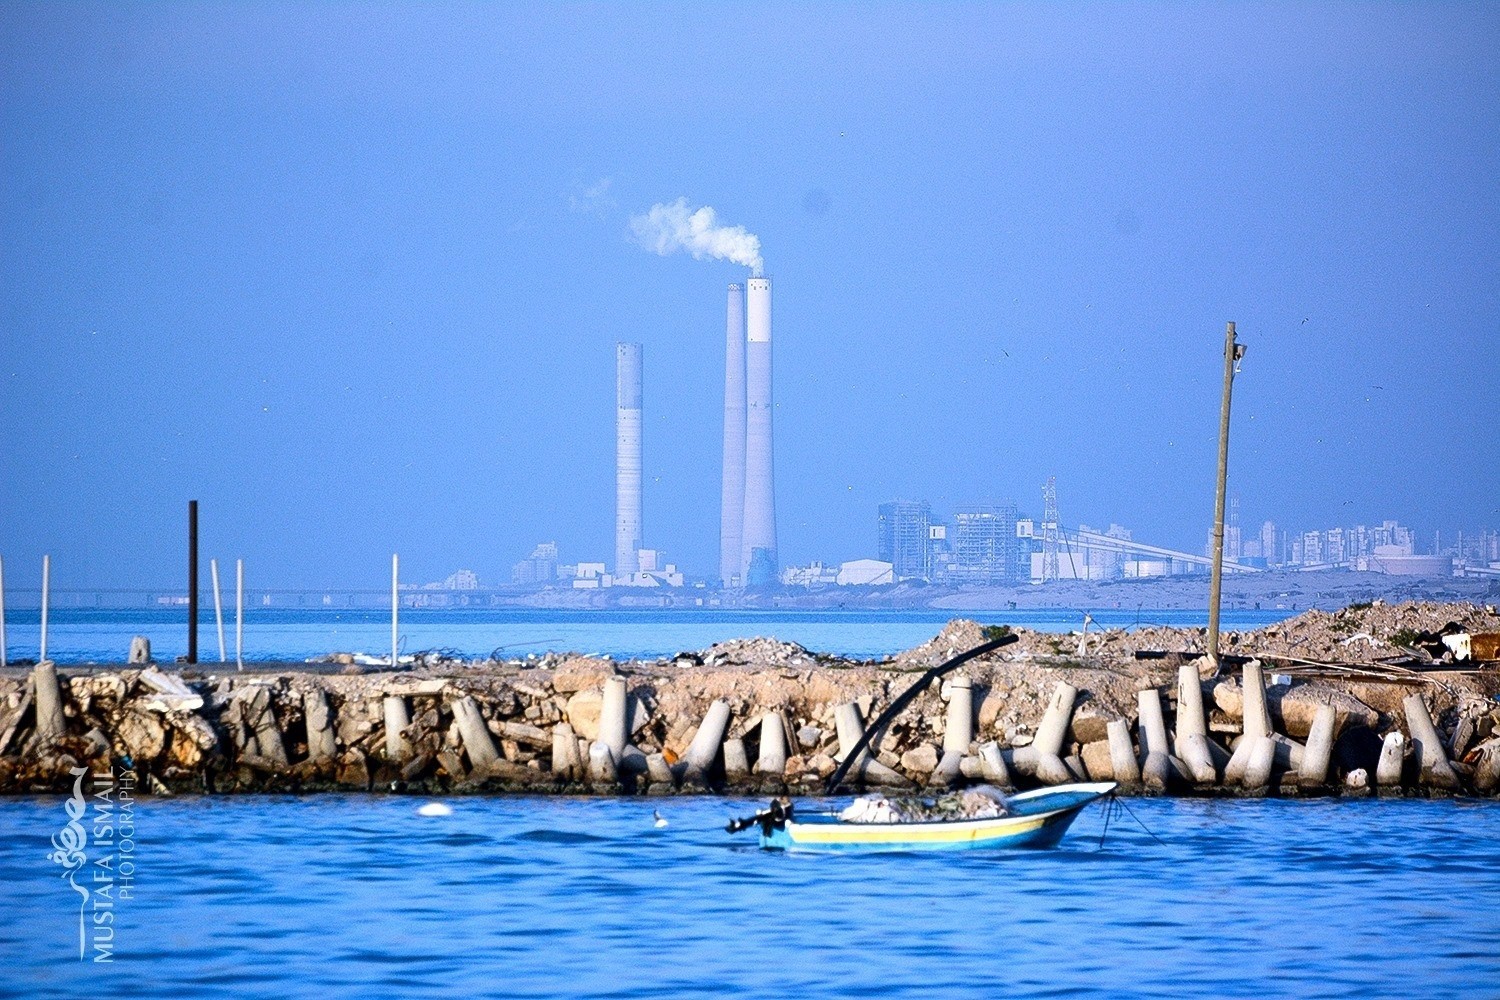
(351, 895)
(78, 635)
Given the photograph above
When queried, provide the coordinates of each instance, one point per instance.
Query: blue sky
(351, 275)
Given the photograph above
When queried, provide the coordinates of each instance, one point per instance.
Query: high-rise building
(627, 459)
(904, 538)
(758, 561)
(984, 544)
(732, 503)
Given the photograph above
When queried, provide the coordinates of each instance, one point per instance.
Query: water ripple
(540, 897)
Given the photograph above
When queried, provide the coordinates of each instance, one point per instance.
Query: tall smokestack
(758, 540)
(627, 459)
(732, 510)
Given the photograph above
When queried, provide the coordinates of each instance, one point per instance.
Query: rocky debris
(534, 724)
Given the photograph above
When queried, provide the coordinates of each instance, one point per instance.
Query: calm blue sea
(92, 635)
(519, 897)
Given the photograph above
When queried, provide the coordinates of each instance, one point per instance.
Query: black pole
(192, 654)
(906, 698)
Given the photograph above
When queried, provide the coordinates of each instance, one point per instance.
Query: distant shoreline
(1274, 590)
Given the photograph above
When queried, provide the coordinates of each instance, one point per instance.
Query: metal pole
(395, 603)
(46, 585)
(213, 568)
(239, 614)
(2, 613)
(1232, 354)
(192, 650)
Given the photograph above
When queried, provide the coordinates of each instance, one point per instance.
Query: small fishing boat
(1034, 819)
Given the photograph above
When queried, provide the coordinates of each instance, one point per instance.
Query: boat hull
(1037, 820)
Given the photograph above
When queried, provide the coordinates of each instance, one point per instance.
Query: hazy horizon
(352, 276)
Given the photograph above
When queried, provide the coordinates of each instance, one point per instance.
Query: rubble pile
(764, 715)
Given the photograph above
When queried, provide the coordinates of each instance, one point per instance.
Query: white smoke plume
(671, 227)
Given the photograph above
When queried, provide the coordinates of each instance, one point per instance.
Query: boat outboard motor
(772, 817)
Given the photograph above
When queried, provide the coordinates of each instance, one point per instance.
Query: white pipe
(213, 569)
(239, 614)
(2, 612)
(395, 602)
(46, 585)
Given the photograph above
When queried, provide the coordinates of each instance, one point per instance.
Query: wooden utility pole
(1232, 353)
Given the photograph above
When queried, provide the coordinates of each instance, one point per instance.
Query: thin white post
(239, 614)
(395, 603)
(2, 612)
(213, 569)
(46, 584)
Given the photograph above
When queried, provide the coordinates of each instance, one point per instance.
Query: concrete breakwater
(1325, 712)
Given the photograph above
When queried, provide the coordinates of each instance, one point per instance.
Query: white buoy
(213, 570)
(435, 809)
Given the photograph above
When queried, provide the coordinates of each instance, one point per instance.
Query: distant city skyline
(353, 279)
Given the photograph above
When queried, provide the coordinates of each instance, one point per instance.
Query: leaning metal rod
(1232, 354)
(905, 698)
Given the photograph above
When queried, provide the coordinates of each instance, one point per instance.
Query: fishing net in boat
(982, 802)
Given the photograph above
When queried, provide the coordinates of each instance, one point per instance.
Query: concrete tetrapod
(613, 724)
(140, 650)
(602, 770)
(1314, 770)
(321, 744)
(1127, 770)
(958, 730)
(1258, 767)
(1487, 769)
(51, 724)
(1156, 766)
(736, 760)
(1257, 723)
(1432, 762)
(700, 754)
(397, 748)
(850, 729)
(992, 765)
(1392, 761)
(1192, 731)
(475, 735)
(772, 756)
(1050, 732)
(565, 760)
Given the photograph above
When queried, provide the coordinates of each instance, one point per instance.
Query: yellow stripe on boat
(912, 833)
